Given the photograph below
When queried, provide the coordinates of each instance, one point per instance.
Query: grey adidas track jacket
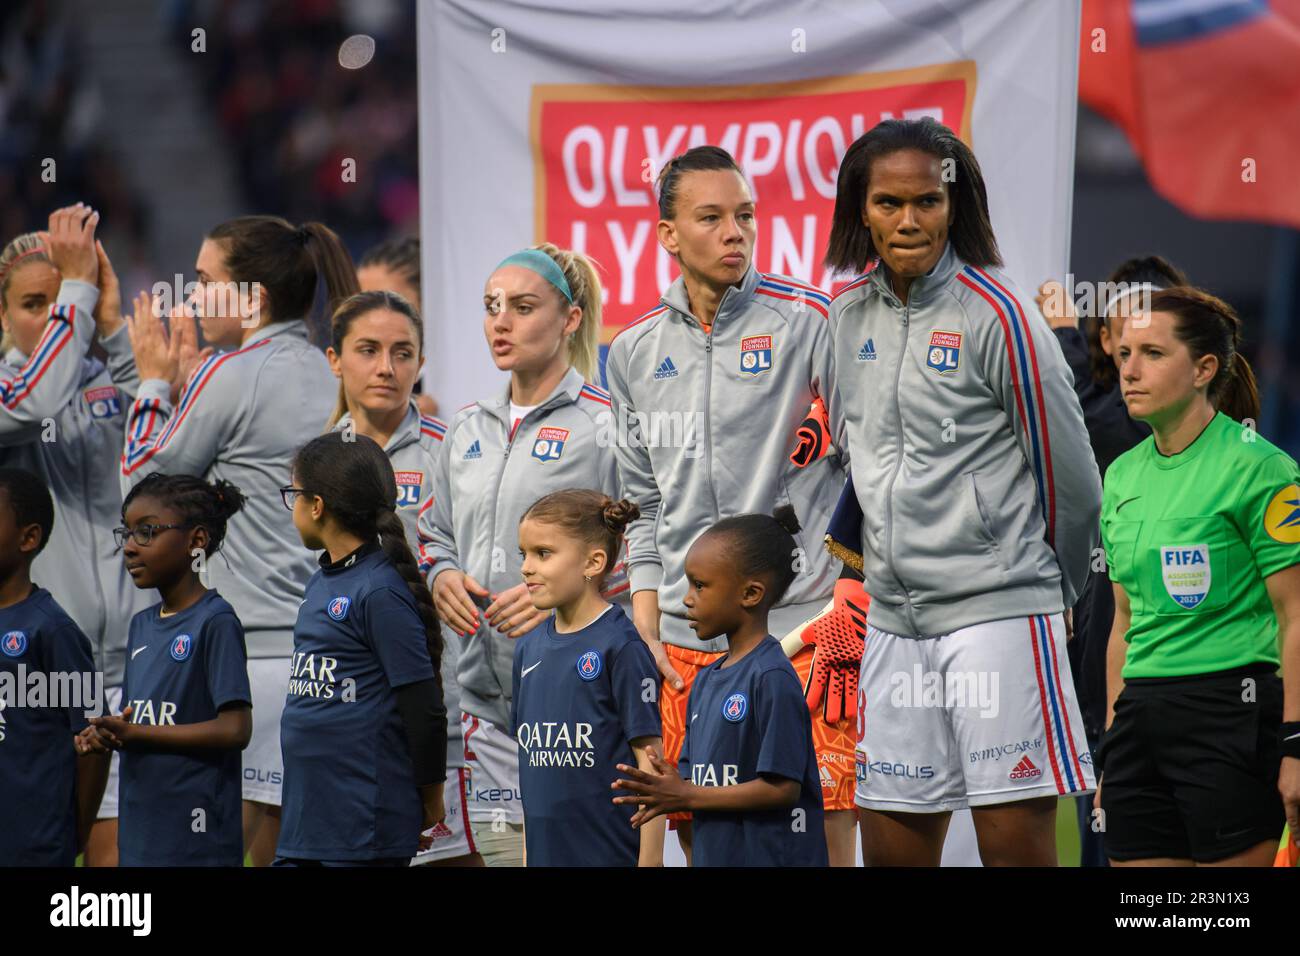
(486, 479)
(61, 417)
(979, 491)
(717, 416)
(241, 417)
(414, 450)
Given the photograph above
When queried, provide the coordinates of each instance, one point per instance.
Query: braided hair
(201, 504)
(354, 478)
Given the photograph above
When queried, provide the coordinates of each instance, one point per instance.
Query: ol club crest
(756, 354)
(104, 402)
(549, 445)
(408, 487)
(944, 352)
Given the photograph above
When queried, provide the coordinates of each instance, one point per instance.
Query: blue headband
(543, 265)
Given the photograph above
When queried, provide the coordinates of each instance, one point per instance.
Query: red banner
(597, 151)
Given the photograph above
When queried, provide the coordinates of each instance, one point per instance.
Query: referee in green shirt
(1201, 529)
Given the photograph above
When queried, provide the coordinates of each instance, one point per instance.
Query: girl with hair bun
(186, 700)
(545, 429)
(585, 689)
(748, 768)
(239, 413)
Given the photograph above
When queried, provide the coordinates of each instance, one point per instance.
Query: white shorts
(492, 757)
(452, 837)
(268, 678)
(108, 805)
(982, 716)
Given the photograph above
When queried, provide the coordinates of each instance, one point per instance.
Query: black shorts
(1191, 768)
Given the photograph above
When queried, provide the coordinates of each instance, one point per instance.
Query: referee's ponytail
(1209, 326)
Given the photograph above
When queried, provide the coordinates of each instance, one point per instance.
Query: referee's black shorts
(1191, 765)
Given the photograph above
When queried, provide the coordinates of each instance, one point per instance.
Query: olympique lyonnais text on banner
(548, 120)
(598, 149)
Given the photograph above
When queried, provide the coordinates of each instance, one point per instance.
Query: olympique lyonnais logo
(549, 445)
(756, 354)
(598, 148)
(944, 352)
(104, 402)
(408, 487)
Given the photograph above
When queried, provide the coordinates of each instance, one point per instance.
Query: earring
(587, 578)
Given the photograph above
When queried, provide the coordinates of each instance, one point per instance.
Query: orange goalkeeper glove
(838, 636)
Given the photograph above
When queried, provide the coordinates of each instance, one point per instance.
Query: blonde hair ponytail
(584, 282)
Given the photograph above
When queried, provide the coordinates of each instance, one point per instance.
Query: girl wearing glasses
(239, 415)
(186, 698)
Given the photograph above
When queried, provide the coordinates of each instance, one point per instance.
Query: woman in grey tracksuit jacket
(492, 469)
(980, 495)
(485, 480)
(717, 415)
(241, 416)
(61, 417)
(414, 448)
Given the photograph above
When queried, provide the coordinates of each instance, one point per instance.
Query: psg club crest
(756, 354)
(408, 487)
(338, 608)
(13, 643)
(104, 402)
(944, 352)
(549, 445)
(182, 644)
(589, 665)
(1186, 571)
(734, 708)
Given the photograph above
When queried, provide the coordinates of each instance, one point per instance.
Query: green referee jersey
(1191, 538)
